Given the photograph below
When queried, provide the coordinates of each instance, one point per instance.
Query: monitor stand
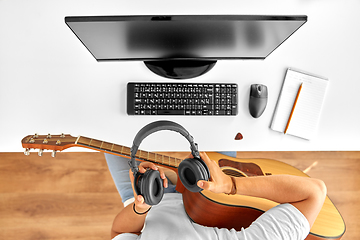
(180, 69)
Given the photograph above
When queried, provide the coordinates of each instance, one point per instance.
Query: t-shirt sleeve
(284, 222)
(126, 236)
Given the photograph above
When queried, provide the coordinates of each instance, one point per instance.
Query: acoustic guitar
(207, 208)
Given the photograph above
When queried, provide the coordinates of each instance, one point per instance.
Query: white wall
(49, 82)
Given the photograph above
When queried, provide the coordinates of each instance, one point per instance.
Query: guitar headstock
(48, 142)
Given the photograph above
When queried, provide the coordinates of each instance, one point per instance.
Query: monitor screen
(183, 36)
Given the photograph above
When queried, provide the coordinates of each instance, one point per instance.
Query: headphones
(191, 170)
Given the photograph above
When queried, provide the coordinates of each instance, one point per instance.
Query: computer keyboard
(182, 98)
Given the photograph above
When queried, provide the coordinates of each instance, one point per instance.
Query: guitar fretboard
(125, 151)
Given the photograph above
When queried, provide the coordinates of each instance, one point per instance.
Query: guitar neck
(61, 142)
(120, 150)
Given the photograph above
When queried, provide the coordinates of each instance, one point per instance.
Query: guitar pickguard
(247, 169)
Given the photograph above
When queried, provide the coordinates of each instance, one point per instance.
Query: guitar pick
(239, 136)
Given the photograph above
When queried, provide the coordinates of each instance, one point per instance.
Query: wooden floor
(72, 196)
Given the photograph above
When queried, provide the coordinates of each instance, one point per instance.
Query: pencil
(292, 110)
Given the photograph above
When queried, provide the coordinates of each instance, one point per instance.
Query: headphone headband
(155, 127)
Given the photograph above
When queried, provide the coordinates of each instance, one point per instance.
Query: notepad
(306, 114)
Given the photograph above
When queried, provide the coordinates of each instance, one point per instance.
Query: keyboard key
(171, 112)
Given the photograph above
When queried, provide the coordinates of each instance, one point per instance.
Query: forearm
(127, 221)
(278, 188)
(306, 194)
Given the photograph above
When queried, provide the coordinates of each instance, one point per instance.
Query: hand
(219, 181)
(140, 204)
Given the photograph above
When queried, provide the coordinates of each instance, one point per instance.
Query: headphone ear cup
(190, 171)
(150, 186)
(137, 182)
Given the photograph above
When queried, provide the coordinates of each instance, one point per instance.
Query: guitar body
(235, 211)
(207, 208)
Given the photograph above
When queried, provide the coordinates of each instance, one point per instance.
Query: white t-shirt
(168, 220)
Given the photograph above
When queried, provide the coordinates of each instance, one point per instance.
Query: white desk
(49, 82)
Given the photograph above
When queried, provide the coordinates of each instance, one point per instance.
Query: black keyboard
(182, 98)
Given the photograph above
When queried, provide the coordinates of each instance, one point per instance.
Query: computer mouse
(258, 99)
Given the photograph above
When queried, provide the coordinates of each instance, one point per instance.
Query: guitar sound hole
(233, 173)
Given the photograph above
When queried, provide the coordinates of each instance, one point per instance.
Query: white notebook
(306, 114)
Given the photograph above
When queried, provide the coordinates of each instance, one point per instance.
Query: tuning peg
(62, 135)
(27, 152)
(49, 135)
(35, 135)
(53, 154)
(41, 152)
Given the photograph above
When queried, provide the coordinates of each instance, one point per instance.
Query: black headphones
(190, 170)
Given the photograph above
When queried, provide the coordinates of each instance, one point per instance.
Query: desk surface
(49, 83)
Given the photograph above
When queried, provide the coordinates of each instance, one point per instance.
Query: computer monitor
(182, 46)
